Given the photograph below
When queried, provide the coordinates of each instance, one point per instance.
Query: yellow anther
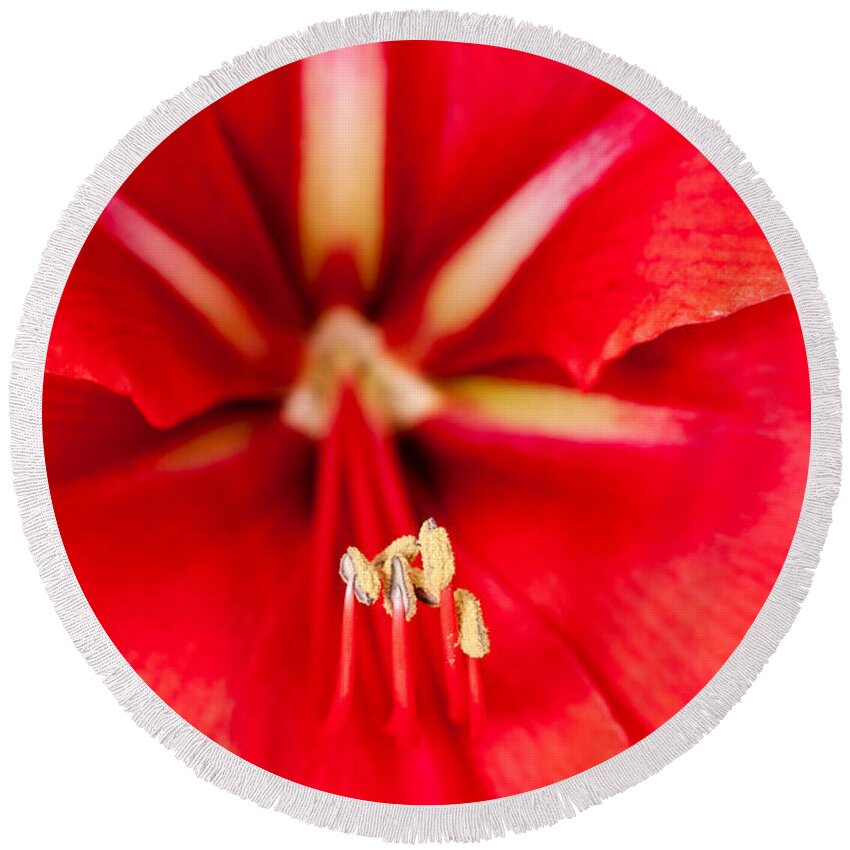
(473, 638)
(438, 562)
(365, 580)
(407, 549)
(399, 588)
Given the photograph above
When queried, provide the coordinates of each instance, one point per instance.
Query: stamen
(390, 575)
(400, 589)
(356, 571)
(394, 566)
(474, 641)
(455, 696)
(476, 699)
(438, 563)
(474, 638)
(342, 694)
(406, 546)
(448, 624)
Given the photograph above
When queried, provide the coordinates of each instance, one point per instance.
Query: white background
(75, 769)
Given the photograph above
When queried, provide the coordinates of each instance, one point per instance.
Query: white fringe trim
(472, 821)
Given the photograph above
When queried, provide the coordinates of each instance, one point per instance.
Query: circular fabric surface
(426, 279)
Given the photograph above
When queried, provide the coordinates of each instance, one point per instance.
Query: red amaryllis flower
(413, 280)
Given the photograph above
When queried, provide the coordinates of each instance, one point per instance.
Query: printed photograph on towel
(426, 422)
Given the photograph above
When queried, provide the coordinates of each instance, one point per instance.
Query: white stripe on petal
(480, 269)
(207, 292)
(341, 206)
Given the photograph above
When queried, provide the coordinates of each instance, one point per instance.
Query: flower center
(344, 348)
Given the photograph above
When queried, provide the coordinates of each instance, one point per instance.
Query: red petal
(72, 446)
(650, 564)
(661, 241)
(187, 557)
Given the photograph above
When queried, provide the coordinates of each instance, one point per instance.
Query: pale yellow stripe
(209, 447)
(479, 270)
(545, 410)
(207, 292)
(341, 207)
